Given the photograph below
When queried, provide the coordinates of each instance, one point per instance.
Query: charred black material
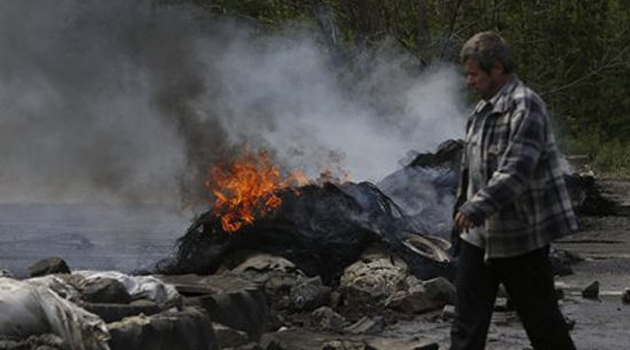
(322, 229)
(587, 197)
(585, 194)
(53, 264)
(448, 155)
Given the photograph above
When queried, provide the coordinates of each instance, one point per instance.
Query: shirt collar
(500, 101)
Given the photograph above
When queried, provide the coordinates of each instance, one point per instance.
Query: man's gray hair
(487, 48)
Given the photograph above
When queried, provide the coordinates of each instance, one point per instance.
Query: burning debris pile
(322, 228)
(333, 264)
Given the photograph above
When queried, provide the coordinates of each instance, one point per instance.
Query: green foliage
(610, 158)
(613, 156)
(576, 53)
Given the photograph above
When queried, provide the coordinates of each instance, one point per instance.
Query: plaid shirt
(521, 203)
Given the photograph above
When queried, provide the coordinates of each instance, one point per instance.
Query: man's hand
(463, 222)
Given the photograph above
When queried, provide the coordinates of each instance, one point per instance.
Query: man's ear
(498, 68)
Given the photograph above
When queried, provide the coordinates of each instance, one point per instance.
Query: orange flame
(244, 189)
(332, 170)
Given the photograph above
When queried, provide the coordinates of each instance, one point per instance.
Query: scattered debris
(278, 288)
(378, 272)
(587, 197)
(331, 265)
(309, 294)
(188, 329)
(33, 309)
(137, 287)
(294, 339)
(46, 341)
(322, 230)
(423, 296)
(367, 325)
(402, 344)
(448, 313)
(227, 299)
(502, 304)
(111, 312)
(48, 266)
(448, 155)
(562, 260)
(345, 345)
(440, 289)
(105, 290)
(592, 291)
(261, 262)
(228, 337)
(328, 319)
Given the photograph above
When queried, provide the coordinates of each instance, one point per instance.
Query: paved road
(604, 243)
(104, 237)
(602, 324)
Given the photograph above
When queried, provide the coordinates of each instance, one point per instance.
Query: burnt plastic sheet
(322, 229)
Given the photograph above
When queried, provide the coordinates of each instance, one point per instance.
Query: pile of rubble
(332, 268)
(254, 301)
(56, 309)
(321, 229)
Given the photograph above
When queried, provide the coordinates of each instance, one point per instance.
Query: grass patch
(610, 159)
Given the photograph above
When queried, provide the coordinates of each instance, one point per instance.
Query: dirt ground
(604, 324)
(600, 324)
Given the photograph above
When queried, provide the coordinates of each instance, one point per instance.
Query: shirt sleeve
(462, 186)
(516, 164)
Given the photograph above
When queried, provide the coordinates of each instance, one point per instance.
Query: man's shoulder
(524, 98)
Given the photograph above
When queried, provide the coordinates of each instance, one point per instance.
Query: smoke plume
(128, 100)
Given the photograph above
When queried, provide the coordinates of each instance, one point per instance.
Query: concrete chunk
(309, 294)
(228, 299)
(111, 312)
(592, 291)
(189, 329)
(229, 337)
(440, 289)
(53, 264)
(378, 273)
(328, 319)
(367, 325)
(105, 290)
(448, 312)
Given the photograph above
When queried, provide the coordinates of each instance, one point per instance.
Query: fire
(244, 189)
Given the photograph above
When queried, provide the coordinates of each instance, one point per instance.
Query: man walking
(515, 202)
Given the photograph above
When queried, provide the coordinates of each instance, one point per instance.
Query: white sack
(139, 287)
(27, 309)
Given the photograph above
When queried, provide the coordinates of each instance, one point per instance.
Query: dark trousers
(528, 280)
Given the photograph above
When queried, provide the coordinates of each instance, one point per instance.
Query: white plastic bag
(139, 287)
(32, 308)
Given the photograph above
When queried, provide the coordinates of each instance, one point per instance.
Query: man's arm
(462, 190)
(516, 165)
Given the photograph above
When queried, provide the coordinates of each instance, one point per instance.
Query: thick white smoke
(287, 95)
(124, 99)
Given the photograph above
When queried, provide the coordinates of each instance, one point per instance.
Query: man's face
(482, 83)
